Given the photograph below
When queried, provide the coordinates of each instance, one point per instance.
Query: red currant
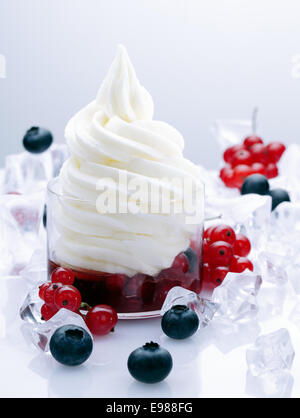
(48, 311)
(240, 264)
(205, 250)
(259, 154)
(42, 289)
(241, 172)
(223, 233)
(63, 276)
(228, 154)
(207, 233)
(206, 272)
(220, 253)
(218, 274)
(181, 263)
(271, 171)
(227, 177)
(252, 140)
(242, 246)
(275, 150)
(67, 297)
(258, 168)
(101, 319)
(50, 292)
(241, 157)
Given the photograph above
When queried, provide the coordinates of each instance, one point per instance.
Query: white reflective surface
(200, 368)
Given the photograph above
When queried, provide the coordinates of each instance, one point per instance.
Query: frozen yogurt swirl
(113, 135)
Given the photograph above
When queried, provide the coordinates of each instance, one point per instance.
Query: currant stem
(254, 119)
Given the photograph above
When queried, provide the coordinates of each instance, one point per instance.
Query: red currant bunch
(223, 251)
(251, 157)
(59, 293)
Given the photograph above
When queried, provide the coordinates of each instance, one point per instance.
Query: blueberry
(71, 345)
(150, 363)
(45, 216)
(180, 322)
(37, 140)
(256, 183)
(193, 259)
(279, 196)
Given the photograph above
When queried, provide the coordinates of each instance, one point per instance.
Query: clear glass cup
(132, 296)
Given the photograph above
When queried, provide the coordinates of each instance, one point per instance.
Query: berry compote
(140, 293)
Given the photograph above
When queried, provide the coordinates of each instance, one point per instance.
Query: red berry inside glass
(220, 253)
(181, 263)
(67, 297)
(223, 233)
(101, 319)
(63, 276)
(242, 246)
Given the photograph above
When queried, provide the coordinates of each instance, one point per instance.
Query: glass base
(139, 315)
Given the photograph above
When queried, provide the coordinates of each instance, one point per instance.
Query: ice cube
(271, 352)
(294, 316)
(20, 220)
(59, 153)
(30, 310)
(270, 300)
(204, 308)
(231, 132)
(293, 273)
(26, 172)
(289, 172)
(271, 384)
(286, 218)
(228, 335)
(237, 297)
(273, 267)
(39, 333)
(35, 271)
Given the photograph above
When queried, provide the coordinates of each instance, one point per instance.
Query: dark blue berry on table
(180, 322)
(192, 257)
(256, 183)
(279, 196)
(150, 363)
(37, 140)
(71, 345)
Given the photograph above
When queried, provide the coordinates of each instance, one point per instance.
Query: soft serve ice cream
(113, 135)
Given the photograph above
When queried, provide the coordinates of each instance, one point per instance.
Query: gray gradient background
(200, 60)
